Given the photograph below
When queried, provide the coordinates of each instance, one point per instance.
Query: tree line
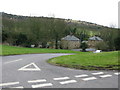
(26, 31)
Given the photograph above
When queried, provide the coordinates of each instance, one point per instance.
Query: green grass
(11, 50)
(81, 60)
(89, 61)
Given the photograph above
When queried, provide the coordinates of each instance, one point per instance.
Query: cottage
(92, 41)
(70, 42)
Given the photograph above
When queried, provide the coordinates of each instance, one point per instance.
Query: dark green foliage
(109, 36)
(58, 27)
(37, 30)
(117, 43)
(83, 35)
(102, 46)
(21, 39)
(4, 36)
(84, 46)
(25, 31)
(72, 31)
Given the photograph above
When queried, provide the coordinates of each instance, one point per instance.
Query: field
(80, 60)
(11, 50)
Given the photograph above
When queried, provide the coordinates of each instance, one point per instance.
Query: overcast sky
(103, 12)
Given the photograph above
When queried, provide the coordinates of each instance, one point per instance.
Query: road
(32, 71)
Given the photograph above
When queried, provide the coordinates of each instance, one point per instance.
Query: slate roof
(95, 38)
(70, 38)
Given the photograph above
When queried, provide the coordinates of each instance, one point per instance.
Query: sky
(103, 12)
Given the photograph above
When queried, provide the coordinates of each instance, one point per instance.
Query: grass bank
(89, 61)
(11, 50)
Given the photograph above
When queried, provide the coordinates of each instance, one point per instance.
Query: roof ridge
(70, 37)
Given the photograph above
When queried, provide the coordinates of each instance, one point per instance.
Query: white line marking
(42, 85)
(83, 75)
(61, 78)
(117, 73)
(35, 81)
(103, 76)
(10, 83)
(69, 81)
(17, 87)
(97, 73)
(90, 78)
(30, 69)
(13, 61)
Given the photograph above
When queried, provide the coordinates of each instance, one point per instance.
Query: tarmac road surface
(32, 71)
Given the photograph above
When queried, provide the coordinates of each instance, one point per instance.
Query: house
(92, 41)
(70, 42)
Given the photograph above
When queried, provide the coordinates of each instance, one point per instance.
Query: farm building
(92, 41)
(70, 42)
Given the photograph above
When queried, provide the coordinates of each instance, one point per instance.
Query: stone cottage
(92, 41)
(70, 42)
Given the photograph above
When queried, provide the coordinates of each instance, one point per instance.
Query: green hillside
(26, 30)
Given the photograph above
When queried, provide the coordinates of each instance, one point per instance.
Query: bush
(84, 46)
(102, 46)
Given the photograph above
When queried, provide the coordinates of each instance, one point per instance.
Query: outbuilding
(70, 42)
(92, 41)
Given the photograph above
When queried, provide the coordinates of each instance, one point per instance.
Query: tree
(40, 30)
(73, 31)
(102, 46)
(21, 39)
(108, 36)
(84, 46)
(117, 43)
(58, 27)
(82, 35)
(4, 36)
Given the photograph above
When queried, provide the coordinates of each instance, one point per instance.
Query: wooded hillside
(26, 30)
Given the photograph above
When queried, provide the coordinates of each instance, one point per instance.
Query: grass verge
(89, 61)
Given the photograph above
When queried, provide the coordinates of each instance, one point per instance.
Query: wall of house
(70, 44)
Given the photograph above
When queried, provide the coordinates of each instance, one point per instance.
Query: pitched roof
(71, 38)
(95, 38)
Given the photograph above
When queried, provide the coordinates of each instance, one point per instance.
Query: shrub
(102, 46)
(84, 46)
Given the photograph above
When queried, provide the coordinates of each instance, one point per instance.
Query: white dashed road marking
(69, 81)
(83, 75)
(98, 73)
(10, 83)
(104, 76)
(30, 69)
(117, 73)
(13, 61)
(42, 85)
(61, 78)
(35, 81)
(17, 87)
(90, 78)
